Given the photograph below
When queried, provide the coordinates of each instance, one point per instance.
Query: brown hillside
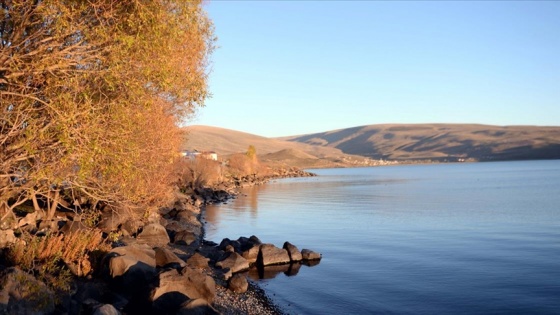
(441, 141)
(273, 151)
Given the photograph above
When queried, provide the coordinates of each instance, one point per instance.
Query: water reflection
(246, 202)
(271, 272)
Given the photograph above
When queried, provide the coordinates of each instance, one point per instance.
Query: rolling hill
(441, 142)
(272, 151)
(366, 145)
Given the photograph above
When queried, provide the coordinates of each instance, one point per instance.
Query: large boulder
(185, 237)
(174, 289)
(197, 261)
(111, 220)
(246, 243)
(166, 258)
(21, 293)
(131, 266)
(251, 254)
(272, 255)
(153, 234)
(308, 254)
(293, 251)
(234, 262)
(188, 217)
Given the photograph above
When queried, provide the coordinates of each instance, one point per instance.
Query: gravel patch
(253, 302)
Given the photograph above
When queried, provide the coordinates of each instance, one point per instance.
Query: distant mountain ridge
(364, 145)
(441, 142)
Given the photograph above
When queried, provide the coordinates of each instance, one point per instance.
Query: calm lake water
(481, 238)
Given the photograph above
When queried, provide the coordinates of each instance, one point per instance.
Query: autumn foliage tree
(91, 95)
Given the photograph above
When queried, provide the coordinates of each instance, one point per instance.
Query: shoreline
(161, 263)
(255, 300)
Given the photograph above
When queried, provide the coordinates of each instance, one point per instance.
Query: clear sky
(295, 67)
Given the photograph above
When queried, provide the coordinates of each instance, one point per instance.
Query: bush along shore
(159, 264)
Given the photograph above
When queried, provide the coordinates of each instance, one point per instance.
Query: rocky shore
(159, 265)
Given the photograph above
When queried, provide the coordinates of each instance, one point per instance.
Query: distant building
(190, 154)
(210, 155)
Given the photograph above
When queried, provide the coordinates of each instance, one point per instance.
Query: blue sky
(295, 67)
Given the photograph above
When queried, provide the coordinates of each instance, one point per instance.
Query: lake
(473, 238)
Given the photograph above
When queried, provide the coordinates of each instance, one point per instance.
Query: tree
(91, 94)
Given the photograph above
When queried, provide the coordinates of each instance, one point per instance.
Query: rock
(110, 220)
(229, 249)
(21, 293)
(308, 254)
(248, 243)
(176, 288)
(185, 237)
(198, 261)
(197, 307)
(293, 251)
(238, 283)
(30, 218)
(7, 238)
(272, 255)
(227, 242)
(106, 309)
(131, 227)
(255, 240)
(204, 285)
(235, 262)
(8, 223)
(131, 266)
(153, 234)
(224, 274)
(165, 258)
(251, 254)
(45, 226)
(175, 226)
(73, 227)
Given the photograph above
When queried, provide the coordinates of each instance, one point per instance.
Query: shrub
(198, 172)
(54, 258)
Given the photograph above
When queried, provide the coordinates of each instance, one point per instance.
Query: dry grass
(199, 172)
(55, 258)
